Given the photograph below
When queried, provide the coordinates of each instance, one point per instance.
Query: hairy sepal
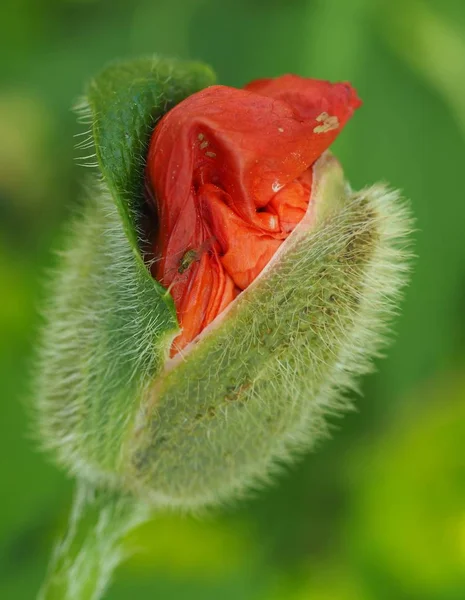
(255, 388)
(109, 324)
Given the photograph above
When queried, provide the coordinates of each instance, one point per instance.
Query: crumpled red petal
(230, 174)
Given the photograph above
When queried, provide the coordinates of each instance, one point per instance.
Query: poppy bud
(183, 358)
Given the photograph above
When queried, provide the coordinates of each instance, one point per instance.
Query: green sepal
(124, 102)
(256, 389)
(110, 323)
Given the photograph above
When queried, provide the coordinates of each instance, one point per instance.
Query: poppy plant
(230, 174)
(178, 368)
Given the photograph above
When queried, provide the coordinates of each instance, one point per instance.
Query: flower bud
(155, 376)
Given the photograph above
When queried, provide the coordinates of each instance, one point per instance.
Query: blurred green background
(379, 511)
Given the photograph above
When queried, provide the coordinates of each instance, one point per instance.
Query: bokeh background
(378, 512)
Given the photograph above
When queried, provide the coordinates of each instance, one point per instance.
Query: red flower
(230, 174)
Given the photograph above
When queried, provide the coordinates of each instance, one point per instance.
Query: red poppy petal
(230, 172)
(309, 97)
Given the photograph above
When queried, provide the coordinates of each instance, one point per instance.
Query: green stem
(84, 559)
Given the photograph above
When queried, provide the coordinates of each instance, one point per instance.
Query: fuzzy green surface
(108, 322)
(255, 389)
(107, 334)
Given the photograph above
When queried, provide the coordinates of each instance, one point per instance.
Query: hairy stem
(84, 559)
